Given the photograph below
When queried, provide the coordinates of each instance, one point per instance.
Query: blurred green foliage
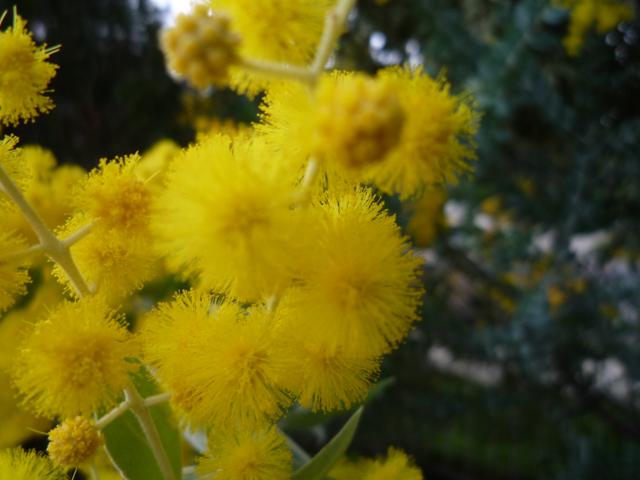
(527, 362)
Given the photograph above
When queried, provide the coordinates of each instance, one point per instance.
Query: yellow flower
(13, 273)
(73, 442)
(75, 360)
(25, 74)
(235, 360)
(357, 120)
(201, 47)
(155, 161)
(359, 286)
(436, 143)
(428, 217)
(247, 455)
(396, 466)
(226, 217)
(112, 261)
(326, 376)
(116, 196)
(585, 14)
(11, 162)
(16, 464)
(277, 30)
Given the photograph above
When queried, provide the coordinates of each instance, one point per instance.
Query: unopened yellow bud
(73, 442)
(358, 120)
(201, 47)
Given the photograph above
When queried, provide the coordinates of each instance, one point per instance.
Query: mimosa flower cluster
(300, 280)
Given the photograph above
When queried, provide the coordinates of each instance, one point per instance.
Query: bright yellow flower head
(225, 217)
(201, 47)
(436, 143)
(278, 30)
(360, 284)
(247, 455)
(75, 360)
(326, 376)
(112, 261)
(73, 442)
(357, 120)
(13, 273)
(16, 464)
(155, 162)
(25, 74)
(396, 466)
(235, 360)
(115, 196)
(11, 162)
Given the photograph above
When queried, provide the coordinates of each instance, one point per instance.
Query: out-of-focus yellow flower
(73, 442)
(155, 161)
(585, 14)
(13, 273)
(226, 218)
(25, 74)
(11, 162)
(247, 455)
(235, 362)
(427, 217)
(397, 465)
(206, 126)
(359, 284)
(16, 464)
(201, 47)
(75, 360)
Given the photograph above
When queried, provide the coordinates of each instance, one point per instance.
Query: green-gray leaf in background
(319, 466)
(127, 445)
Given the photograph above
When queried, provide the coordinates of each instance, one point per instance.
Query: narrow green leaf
(127, 444)
(319, 466)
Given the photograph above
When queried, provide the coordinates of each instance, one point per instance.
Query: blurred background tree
(527, 362)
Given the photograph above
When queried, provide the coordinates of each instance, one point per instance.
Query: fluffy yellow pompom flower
(226, 217)
(396, 466)
(11, 162)
(325, 376)
(357, 120)
(360, 287)
(235, 360)
(73, 442)
(13, 273)
(25, 74)
(75, 360)
(16, 464)
(247, 455)
(436, 143)
(585, 14)
(201, 47)
(278, 30)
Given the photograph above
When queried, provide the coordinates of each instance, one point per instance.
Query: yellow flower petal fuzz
(13, 274)
(325, 376)
(360, 285)
(299, 27)
(235, 361)
(25, 74)
(247, 455)
(112, 262)
(11, 161)
(604, 15)
(436, 143)
(75, 360)
(396, 466)
(225, 217)
(358, 119)
(116, 196)
(155, 161)
(73, 442)
(16, 464)
(201, 47)
(428, 216)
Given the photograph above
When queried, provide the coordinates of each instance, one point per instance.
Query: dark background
(527, 362)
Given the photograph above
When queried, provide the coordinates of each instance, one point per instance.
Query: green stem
(139, 409)
(334, 23)
(279, 70)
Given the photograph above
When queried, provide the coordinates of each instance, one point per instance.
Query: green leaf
(319, 466)
(126, 442)
(300, 418)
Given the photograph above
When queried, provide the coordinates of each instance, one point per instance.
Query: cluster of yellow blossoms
(301, 280)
